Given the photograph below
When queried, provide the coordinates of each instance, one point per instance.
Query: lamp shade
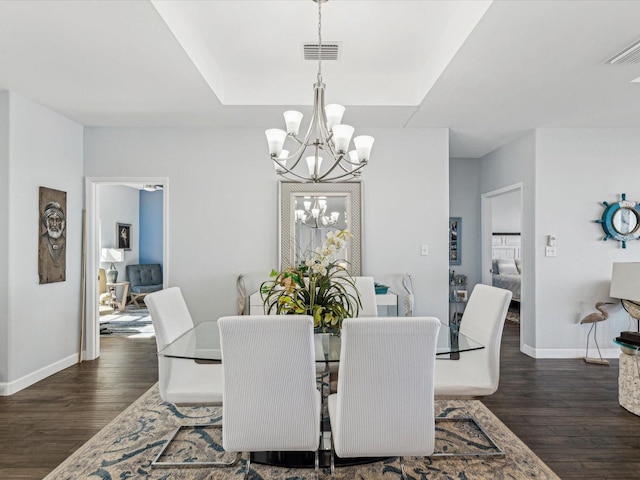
(112, 255)
(625, 281)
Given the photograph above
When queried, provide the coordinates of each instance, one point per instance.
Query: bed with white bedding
(506, 274)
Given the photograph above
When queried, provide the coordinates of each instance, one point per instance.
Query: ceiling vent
(330, 51)
(630, 54)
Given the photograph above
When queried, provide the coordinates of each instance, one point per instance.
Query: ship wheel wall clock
(621, 221)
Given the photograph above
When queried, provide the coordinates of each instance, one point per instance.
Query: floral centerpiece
(319, 286)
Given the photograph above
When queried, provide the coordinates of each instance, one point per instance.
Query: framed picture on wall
(123, 236)
(455, 232)
(52, 243)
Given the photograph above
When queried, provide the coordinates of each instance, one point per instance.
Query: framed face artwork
(52, 242)
(123, 236)
(455, 232)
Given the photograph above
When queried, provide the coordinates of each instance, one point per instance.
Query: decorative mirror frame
(607, 220)
(286, 193)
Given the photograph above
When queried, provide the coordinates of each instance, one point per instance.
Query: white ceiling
(489, 71)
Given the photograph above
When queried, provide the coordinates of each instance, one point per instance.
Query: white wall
(119, 204)
(4, 235)
(464, 202)
(43, 322)
(506, 166)
(223, 207)
(506, 213)
(597, 165)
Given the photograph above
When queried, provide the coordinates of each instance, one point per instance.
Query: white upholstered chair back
(181, 381)
(270, 399)
(483, 321)
(367, 290)
(169, 314)
(477, 373)
(384, 405)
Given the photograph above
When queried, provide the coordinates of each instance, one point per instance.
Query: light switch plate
(424, 250)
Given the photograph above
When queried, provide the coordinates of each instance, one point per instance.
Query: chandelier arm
(332, 168)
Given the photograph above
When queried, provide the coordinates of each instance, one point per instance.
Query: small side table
(629, 378)
(114, 294)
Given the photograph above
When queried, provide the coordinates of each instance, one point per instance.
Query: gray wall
(596, 165)
(223, 208)
(4, 236)
(464, 202)
(42, 322)
(119, 204)
(506, 166)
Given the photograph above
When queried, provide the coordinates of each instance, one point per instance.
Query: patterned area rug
(133, 322)
(125, 448)
(513, 314)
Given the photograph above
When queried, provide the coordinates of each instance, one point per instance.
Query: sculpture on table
(407, 283)
(594, 319)
(242, 294)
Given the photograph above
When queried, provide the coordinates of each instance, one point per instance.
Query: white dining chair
(384, 405)
(477, 372)
(271, 402)
(182, 381)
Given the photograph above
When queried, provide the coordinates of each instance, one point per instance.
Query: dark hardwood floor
(42, 425)
(566, 411)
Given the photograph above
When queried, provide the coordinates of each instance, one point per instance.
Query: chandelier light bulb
(293, 119)
(342, 137)
(281, 162)
(311, 164)
(335, 216)
(275, 139)
(307, 205)
(315, 212)
(334, 113)
(363, 144)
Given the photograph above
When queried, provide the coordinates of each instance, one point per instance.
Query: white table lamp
(112, 255)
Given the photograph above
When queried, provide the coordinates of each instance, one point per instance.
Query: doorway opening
(502, 246)
(112, 203)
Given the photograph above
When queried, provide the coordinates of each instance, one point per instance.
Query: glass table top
(627, 348)
(203, 343)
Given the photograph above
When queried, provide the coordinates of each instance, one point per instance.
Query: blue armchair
(143, 279)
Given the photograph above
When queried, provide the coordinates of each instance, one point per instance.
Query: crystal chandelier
(315, 215)
(326, 133)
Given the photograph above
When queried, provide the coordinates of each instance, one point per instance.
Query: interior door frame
(92, 257)
(486, 241)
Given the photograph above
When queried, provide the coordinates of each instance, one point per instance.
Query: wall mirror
(309, 210)
(621, 221)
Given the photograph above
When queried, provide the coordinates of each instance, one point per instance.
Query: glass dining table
(202, 343)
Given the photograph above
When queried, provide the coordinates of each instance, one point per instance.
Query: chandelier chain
(319, 42)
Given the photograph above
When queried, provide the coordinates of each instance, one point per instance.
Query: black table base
(307, 459)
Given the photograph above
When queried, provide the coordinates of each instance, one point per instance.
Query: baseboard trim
(568, 352)
(9, 388)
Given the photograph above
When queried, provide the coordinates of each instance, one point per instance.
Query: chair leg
(247, 468)
(333, 464)
(156, 463)
(317, 464)
(495, 448)
(404, 475)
